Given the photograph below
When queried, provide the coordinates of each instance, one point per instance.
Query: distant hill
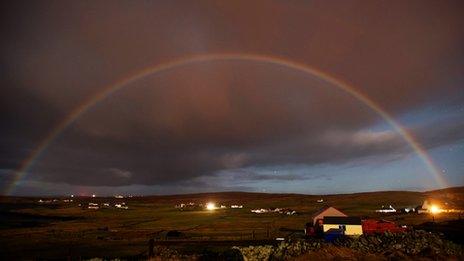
(353, 201)
(454, 196)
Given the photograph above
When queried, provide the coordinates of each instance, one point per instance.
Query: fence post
(151, 246)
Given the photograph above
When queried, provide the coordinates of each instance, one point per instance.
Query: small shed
(350, 225)
(327, 211)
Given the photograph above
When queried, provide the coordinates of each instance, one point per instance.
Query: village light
(210, 206)
(434, 209)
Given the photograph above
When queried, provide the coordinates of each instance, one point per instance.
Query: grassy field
(58, 229)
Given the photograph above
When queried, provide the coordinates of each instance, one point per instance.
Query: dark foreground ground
(58, 229)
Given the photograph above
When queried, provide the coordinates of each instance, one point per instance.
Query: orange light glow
(435, 209)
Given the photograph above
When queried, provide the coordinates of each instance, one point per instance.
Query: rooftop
(343, 220)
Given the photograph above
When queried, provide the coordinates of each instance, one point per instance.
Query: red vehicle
(373, 226)
(314, 231)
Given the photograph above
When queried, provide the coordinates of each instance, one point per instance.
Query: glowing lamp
(434, 209)
(210, 206)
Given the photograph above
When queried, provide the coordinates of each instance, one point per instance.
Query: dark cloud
(150, 164)
(247, 175)
(198, 120)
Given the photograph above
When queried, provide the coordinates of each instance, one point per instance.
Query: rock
(396, 246)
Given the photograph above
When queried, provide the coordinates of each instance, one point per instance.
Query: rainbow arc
(278, 61)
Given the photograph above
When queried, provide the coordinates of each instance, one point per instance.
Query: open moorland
(54, 228)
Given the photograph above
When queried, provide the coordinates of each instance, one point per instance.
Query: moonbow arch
(131, 78)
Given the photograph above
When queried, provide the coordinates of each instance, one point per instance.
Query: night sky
(230, 125)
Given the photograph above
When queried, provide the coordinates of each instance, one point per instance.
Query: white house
(388, 209)
(93, 206)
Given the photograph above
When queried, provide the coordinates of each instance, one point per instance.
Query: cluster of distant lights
(209, 206)
(94, 196)
(434, 209)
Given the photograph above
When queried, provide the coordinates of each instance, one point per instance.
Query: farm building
(420, 210)
(350, 225)
(315, 228)
(386, 209)
(93, 206)
(408, 210)
(327, 211)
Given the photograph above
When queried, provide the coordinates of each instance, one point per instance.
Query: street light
(434, 209)
(210, 206)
